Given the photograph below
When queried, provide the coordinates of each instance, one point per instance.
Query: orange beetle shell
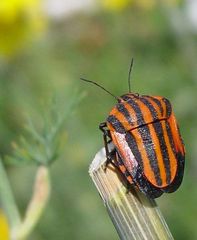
(150, 150)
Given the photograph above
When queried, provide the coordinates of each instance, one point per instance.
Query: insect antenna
(129, 76)
(86, 80)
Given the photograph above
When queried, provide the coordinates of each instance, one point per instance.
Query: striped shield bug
(149, 150)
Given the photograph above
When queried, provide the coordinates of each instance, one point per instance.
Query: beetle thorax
(135, 110)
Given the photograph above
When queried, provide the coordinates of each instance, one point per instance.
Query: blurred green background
(46, 46)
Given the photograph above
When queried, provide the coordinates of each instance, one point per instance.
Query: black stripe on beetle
(147, 141)
(160, 136)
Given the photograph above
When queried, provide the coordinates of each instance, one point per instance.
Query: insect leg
(107, 139)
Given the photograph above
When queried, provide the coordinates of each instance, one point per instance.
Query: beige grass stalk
(132, 213)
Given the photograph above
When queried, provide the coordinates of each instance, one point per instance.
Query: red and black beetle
(149, 150)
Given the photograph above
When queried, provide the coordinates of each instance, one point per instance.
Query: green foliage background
(99, 46)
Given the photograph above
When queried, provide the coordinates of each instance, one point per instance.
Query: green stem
(7, 199)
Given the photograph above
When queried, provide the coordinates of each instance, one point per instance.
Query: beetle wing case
(148, 142)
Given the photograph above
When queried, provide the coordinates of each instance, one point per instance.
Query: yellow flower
(20, 20)
(115, 4)
(4, 229)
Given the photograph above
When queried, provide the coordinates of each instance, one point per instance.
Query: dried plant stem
(37, 204)
(133, 215)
